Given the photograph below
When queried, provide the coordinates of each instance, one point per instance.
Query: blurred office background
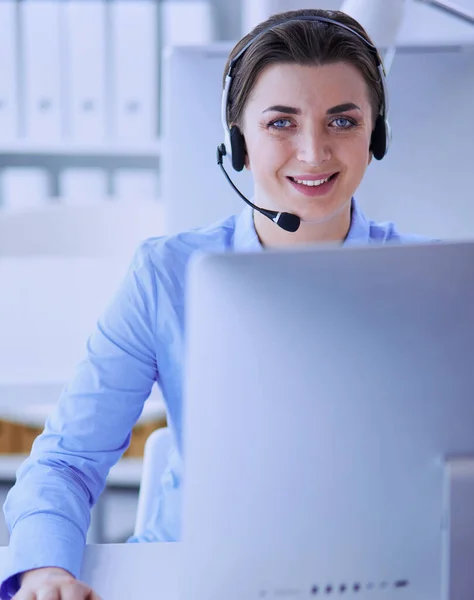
(107, 136)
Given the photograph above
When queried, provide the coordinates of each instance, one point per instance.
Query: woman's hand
(52, 583)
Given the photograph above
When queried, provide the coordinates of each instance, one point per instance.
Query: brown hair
(303, 43)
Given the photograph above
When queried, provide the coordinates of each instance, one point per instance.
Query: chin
(322, 208)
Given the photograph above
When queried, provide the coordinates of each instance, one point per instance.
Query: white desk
(129, 571)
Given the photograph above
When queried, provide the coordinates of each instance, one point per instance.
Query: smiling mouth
(315, 183)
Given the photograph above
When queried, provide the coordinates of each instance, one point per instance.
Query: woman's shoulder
(387, 232)
(174, 251)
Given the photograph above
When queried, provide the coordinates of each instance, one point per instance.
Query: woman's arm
(48, 509)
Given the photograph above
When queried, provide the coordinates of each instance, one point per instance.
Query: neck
(333, 230)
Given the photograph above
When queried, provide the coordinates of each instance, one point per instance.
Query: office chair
(155, 460)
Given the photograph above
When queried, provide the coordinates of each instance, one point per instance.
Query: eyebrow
(342, 108)
(290, 110)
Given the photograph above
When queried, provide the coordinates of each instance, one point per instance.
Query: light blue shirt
(137, 341)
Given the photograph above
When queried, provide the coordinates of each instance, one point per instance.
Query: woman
(305, 111)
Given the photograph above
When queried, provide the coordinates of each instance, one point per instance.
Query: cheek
(356, 154)
(266, 155)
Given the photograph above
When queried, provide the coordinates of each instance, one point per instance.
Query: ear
(247, 162)
(371, 156)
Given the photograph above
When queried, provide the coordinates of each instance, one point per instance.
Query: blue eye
(277, 124)
(344, 123)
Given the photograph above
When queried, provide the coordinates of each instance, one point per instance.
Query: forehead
(321, 85)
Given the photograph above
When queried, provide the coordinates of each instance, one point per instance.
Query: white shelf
(63, 206)
(130, 149)
(126, 473)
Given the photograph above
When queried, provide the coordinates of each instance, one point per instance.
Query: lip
(308, 177)
(315, 191)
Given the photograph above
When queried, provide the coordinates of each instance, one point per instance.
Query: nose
(313, 147)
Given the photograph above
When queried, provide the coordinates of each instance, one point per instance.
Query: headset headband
(229, 76)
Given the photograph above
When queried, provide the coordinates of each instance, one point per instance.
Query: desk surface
(129, 571)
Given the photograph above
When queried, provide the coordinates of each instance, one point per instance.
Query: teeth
(311, 183)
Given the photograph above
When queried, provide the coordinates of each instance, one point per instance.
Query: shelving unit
(146, 150)
(97, 107)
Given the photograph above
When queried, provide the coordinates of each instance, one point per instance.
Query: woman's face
(303, 124)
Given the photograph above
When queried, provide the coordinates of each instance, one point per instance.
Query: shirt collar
(246, 238)
(245, 235)
(359, 231)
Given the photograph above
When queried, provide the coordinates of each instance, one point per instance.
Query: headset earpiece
(234, 139)
(380, 138)
(237, 146)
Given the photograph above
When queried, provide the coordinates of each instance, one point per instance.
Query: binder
(8, 71)
(41, 69)
(134, 49)
(85, 69)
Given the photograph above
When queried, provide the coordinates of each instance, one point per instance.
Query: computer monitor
(329, 424)
(193, 188)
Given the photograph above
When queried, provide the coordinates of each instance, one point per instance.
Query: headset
(234, 142)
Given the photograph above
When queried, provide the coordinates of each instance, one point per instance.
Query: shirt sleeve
(48, 509)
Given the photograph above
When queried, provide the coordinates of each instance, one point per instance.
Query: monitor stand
(459, 530)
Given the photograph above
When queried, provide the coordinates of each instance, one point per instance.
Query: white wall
(422, 22)
(424, 183)
(427, 24)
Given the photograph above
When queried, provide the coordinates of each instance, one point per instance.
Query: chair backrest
(155, 460)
